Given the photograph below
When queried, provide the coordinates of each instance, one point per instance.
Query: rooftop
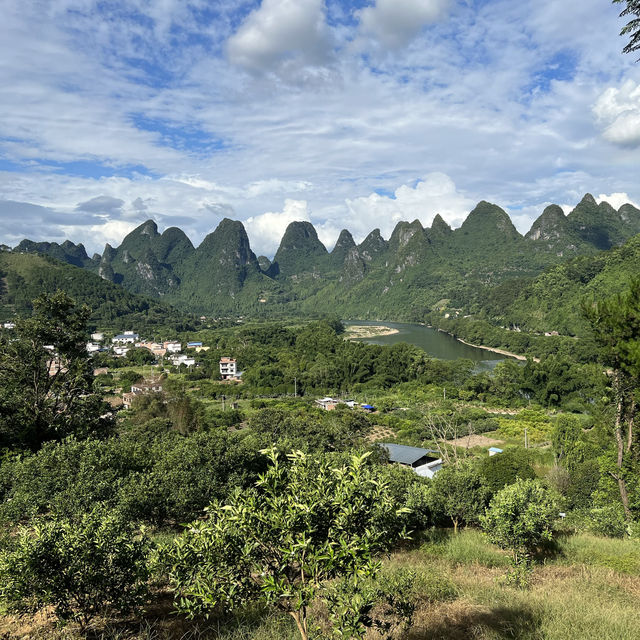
(406, 455)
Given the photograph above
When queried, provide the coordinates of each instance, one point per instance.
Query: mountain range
(416, 270)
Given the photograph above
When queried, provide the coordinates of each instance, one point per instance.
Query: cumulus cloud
(435, 193)
(396, 22)
(111, 231)
(266, 230)
(618, 111)
(280, 31)
(616, 200)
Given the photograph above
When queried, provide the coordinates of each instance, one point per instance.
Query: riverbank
(502, 352)
(360, 332)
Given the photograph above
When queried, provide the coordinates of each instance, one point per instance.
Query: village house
(194, 344)
(157, 349)
(92, 347)
(172, 347)
(120, 351)
(425, 462)
(128, 337)
(329, 404)
(152, 385)
(97, 337)
(229, 369)
(178, 359)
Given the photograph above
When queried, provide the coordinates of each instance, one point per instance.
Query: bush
(305, 524)
(458, 494)
(520, 518)
(608, 520)
(91, 566)
(505, 468)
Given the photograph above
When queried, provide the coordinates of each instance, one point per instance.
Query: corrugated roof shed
(406, 455)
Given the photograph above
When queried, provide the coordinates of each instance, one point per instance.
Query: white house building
(128, 337)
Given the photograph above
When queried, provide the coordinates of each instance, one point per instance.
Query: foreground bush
(94, 565)
(305, 523)
(520, 518)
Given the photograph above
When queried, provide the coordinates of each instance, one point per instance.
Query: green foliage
(46, 380)
(520, 518)
(314, 430)
(138, 356)
(536, 424)
(565, 435)
(149, 473)
(632, 28)
(505, 468)
(458, 493)
(303, 524)
(387, 602)
(83, 568)
(28, 276)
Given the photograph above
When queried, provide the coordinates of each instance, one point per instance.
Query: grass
(621, 556)
(468, 547)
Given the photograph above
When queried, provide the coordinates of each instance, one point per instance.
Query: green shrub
(94, 565)
(505, 468)
(520, 518)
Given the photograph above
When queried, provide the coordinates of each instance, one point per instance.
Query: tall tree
(616, 326)
(633, 26)
(46, 379)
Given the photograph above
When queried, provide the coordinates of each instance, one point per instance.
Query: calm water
(435, 343)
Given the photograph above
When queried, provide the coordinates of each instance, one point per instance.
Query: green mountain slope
(24, 277)
(552, 300)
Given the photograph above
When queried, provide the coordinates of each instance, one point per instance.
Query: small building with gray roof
(425, 462)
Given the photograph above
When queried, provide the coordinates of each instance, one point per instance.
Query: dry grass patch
(470, 441)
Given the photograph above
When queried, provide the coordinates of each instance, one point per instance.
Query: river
(435, 343)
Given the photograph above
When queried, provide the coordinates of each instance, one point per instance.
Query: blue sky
(348, 114)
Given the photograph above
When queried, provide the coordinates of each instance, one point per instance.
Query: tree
(82, 568)
(46, 380)
(304, 524)
(505, 468)
(459, 493)
(616, 327)
(633, 26)
(520, 518)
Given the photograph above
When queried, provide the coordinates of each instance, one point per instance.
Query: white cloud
(396, 22)
(616, 200)
(111, 231)
(266, 230)
(618, 110)
(280, 31)
(435, 193)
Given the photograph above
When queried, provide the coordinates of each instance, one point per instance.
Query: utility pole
(526, 439)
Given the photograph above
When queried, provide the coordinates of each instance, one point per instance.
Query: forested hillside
(24, 277)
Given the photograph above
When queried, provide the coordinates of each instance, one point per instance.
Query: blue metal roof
(368, 406)
(406, 455)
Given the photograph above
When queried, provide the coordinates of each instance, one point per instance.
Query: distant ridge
(401, 277)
